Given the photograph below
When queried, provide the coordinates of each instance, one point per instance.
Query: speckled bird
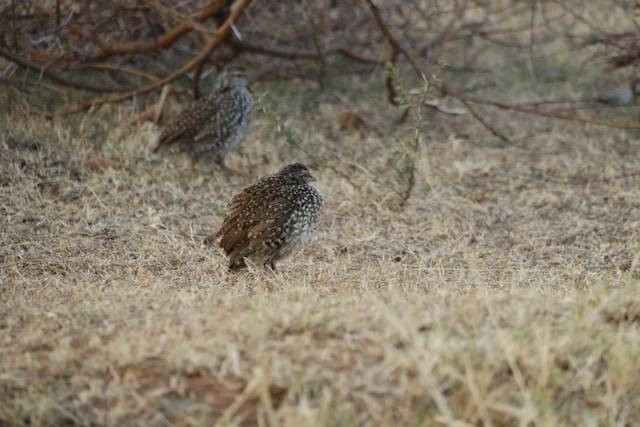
(271, 219)
(214, 124)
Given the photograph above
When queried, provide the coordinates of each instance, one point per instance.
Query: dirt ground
(505, 292)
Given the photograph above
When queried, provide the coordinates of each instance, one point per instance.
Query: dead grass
(506, 293)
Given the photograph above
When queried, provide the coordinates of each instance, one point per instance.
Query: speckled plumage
(271, 219)
(214, 124)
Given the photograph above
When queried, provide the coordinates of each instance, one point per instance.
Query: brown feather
(232, 239)
(168, 137)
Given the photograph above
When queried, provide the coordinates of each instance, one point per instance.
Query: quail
(271, 219)
(214, 124)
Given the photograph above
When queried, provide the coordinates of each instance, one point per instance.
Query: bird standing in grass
(214, 124)
(271, 219)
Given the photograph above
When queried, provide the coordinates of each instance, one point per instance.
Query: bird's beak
(312, 178)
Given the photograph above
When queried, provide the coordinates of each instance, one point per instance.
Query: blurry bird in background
(271, 219)
(214, 124)
(623, 94)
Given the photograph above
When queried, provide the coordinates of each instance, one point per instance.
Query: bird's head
(232, 77)
(298, 173)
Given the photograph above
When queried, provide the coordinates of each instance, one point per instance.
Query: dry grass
(506, 293)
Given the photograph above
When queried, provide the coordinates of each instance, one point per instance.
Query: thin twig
(396, 50)
(295, 54)
(532, 111)
(53, 76)
(483, 122)
(396, 47)
(126, 48)
(206, 33)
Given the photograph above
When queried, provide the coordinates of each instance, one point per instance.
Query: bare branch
(236, 10)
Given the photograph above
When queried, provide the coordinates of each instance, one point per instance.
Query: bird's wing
(222, 119)
(214, 130)
(188, 122)
(169, 136)
(253, 220)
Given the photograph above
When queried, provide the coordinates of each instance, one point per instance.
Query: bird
(214, 124)
(623, 94)
(271, 219)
